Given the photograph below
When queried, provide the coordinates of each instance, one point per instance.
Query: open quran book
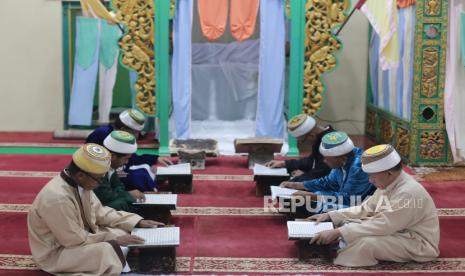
(157, 237)
(264, 170)
(178, 169)
(306, 229)
(159, 199)
(277, 191)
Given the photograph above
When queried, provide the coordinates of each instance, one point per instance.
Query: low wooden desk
(259, 150)
(264, 182)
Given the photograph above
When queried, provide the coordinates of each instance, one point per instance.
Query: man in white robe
(398, 223)
(70, 232)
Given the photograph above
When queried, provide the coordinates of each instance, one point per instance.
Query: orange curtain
(242, 18)
(405, 3)
(213, 15)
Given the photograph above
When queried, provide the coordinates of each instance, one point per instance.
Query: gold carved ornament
(371, 122)
(137, 46)
(320, 44)
(429, 71)
(433, 7)
(386, 130)
(432, 144)
(402, 141)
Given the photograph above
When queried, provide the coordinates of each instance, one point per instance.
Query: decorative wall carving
(321, 16)
(402, 141)
(137, 46)
(371, 122)
(432, 144)
(433, 7)
(430, 71)
(386, 132)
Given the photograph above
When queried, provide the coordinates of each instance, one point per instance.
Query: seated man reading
(346, 184)
(138, 177)
(398, 223)
(306, 131)
(70, 232)
(111, 191)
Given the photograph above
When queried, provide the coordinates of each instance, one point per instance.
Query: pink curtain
(213, 15)
(242, 18)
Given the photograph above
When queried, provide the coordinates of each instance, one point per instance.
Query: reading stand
(264, 182)
(312, 251)
(195, 157)
(153, 260)
(259, 150)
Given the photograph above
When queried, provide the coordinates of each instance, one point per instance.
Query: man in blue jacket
(139, 167)
(347, 184)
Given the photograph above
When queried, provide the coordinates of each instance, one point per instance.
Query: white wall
(31, 70)
(346, 87)
(31, 85)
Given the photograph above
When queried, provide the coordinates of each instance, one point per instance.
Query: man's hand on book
(326, 237)
(129, 239)
(137, 195)
(149, 224)
(276, 164)
(319, 218)
(164, 161)
(297, 173)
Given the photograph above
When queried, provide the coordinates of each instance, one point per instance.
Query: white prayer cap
(92, 158)
(121, 142)
(380, 158)
(133, 119)
(300, 125)
(336, 144)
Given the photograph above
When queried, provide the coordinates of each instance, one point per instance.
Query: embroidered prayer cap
(380, 158)
(300, 125)
(92, 158)
(133, 118)
(336, 144)
(120, 142)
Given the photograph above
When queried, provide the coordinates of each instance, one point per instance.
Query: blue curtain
(270, 117)
(181, 77)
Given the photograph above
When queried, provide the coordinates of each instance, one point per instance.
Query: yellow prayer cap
(380, 158)
(92, 158)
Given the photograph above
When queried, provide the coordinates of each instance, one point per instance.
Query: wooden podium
(179, 177)
(264, 182)
(195, 157)
(155, 258)
(157, 207)
(259, 150)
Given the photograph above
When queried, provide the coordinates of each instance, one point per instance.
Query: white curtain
(454, 92)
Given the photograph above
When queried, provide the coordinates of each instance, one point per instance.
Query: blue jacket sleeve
(326, 183)
(356, 186)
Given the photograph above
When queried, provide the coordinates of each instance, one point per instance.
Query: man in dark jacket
(306, 131)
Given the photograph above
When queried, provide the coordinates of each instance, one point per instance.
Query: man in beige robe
(70, 232)
(398, 223)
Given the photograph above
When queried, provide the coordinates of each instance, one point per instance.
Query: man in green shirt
(111, 191)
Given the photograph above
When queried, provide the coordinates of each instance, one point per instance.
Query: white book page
(277, 191)
(306, 229)
(157, 236)
(181, 169)
(159, 199)
(264, 170)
